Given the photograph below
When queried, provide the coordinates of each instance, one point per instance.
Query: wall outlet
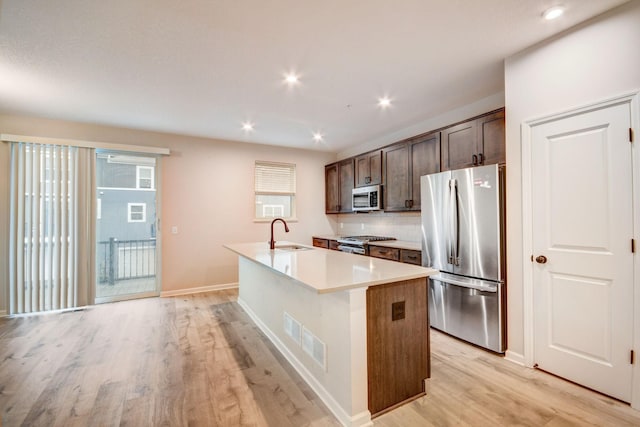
(341, 225)
(174, 229)
(362, 225)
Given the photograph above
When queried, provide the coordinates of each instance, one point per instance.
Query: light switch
(174, 229)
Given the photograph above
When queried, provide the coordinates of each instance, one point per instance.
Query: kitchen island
(354, 327)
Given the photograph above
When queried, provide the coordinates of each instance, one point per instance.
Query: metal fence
(125, 259)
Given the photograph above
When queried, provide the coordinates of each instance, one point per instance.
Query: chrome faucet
(272, 243)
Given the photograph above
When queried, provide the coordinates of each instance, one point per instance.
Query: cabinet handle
(410, 203)
(474, 158)
(367, 180)
(412, 257)
(338, 207)
(481, 158)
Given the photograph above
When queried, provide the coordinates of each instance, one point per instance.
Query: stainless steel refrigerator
(463, 237)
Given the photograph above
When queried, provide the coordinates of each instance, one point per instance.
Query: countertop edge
(345, 287)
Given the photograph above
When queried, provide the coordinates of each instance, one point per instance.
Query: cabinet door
(409, 256)
(396, 178)
(347, 176)
(425, 159)
(492, 139)
(384, 252)
(375, 167)
(320, 243)
(459, 146)
(363, 170)
(332, 188)
(369, 169)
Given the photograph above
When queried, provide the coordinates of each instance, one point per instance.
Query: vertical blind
(50, 256)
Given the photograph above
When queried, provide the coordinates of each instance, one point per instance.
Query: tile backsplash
(403, 226)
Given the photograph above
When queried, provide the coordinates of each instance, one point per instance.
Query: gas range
(359, 244)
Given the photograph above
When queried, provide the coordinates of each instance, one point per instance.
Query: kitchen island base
(327, 337)
(397, 343)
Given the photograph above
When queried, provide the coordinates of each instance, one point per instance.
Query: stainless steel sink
(293, 248)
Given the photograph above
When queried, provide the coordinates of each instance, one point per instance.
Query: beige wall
(590, 63)
(207, 192)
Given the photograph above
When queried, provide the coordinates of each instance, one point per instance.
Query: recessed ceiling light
(553, 13)
(247, 126)
(317, 136)
(384, 102)
(291, 78)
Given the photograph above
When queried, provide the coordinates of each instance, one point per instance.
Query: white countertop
(324, 270)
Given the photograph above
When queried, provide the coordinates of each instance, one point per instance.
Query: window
(144, 177)
(137, 212)
(275, 190)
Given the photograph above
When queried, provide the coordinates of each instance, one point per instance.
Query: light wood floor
(199, 361)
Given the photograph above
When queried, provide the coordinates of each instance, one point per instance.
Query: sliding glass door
(126, 226)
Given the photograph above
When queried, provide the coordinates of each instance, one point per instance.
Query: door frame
(631, 99)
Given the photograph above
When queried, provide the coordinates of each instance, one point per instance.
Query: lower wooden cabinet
(397, 343)
(383, 252)
(409, 256)
(319, 242)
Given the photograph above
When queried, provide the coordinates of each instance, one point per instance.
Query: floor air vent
(314, 348)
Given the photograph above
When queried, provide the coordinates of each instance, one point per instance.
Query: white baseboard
(198, 290)
(513, 357)
(362, 419)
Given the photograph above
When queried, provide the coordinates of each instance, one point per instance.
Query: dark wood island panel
(397, 343)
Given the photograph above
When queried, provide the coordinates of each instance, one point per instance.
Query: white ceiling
(202, 67)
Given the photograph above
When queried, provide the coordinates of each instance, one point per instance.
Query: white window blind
(275, 189)
(275, 178)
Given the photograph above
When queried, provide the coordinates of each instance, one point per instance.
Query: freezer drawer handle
(465, 284)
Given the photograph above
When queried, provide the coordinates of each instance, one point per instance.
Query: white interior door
(582, 223)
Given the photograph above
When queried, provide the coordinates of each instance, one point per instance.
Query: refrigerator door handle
(455, 223)
(450, 226)
(465, 282)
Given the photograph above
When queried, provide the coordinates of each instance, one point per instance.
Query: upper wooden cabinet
(339, 183)
(491, 131)
(480, 141)
(332, 188)
(369, 169)
(404, 164)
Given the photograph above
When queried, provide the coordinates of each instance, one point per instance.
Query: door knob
(541, 259)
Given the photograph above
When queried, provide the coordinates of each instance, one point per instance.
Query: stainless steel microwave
(367, 198)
